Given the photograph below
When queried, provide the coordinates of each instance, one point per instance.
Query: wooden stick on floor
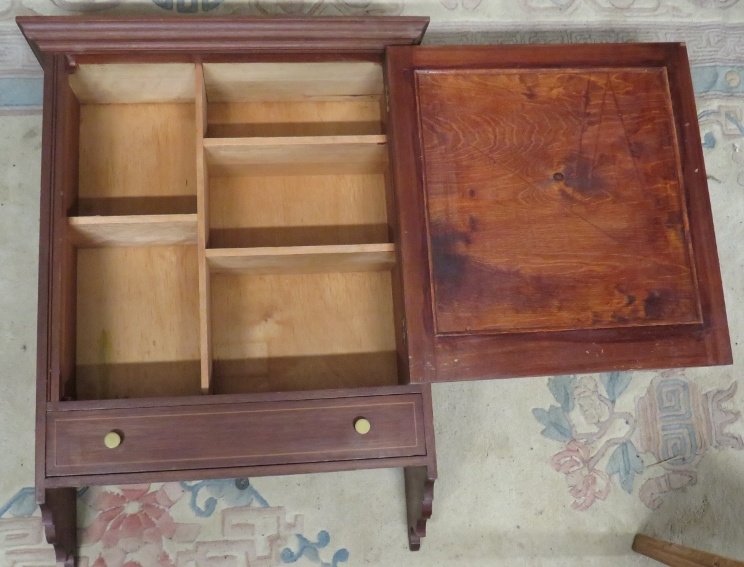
(679, 556)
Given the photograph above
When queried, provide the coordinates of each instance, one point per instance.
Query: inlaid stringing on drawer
(223, 435)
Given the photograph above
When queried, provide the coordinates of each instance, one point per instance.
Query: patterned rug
(549, 471)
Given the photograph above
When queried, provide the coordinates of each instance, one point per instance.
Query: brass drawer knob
(362, 426)
(112, 440)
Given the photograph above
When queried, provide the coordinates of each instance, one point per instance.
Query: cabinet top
(238, 34)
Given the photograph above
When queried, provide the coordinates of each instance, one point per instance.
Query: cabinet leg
(419, 500)
(59, 515)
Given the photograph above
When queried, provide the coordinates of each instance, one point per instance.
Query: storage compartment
(137, 322)
(137, 139)
(293, 99)
(299, 247)
(302, 332)
(259, 262)
(253, 211)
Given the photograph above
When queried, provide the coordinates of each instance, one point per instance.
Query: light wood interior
(133, 83)
(292, 81)
(297, 210)
(302, 332)
(202, 206)
(302, 259)
(293, 99)
(315, 155)
(231, 229)
(137, 159)
(133, 230)
(137, 322)
(355, 116)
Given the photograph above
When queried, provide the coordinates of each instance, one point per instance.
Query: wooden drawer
(233, 434)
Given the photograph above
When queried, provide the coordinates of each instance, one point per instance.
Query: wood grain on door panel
(554, 200)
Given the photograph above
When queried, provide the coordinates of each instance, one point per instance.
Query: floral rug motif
(133, 526)
(664, 439)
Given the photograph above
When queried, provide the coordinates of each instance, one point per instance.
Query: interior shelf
(316, 210)
(299, 155)
(230, 230)
(356, 116)
(134, 230)
(303, 259)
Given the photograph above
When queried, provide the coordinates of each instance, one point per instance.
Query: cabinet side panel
(702, 233)
(64, 194)
(399, 313)
(402, 130)
(56, 311)
(45, 254)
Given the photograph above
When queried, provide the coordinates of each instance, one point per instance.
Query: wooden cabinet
(281, 231)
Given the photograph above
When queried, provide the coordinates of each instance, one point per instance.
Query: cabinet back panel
(137, 159)
(291, 81)
(355, 116)
(133, 83)
(297, 211)
(299, 332)
(137, 322)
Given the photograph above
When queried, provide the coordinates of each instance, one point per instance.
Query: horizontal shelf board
(303, 259)
(133, 230)
(298, 155)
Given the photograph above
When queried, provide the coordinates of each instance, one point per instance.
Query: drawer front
(230, 435)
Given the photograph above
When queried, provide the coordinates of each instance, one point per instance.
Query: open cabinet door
(553, 211)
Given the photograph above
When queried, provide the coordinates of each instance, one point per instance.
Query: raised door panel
(554, 214)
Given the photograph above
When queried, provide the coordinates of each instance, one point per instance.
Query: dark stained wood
(235, 472)
(553, 201)
(419, 481)
(43, 329)
(218, 57)
(392, 393)
(419, 503)
(270, 433)
(59, 517)
(236, 34)
(431, 450)
(396, 278)
(560, 229)
(675, 555)
(407, 179)
(215, 399)
(702, 231)
(64, 191)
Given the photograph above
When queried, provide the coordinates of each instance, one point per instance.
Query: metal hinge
(387, 99)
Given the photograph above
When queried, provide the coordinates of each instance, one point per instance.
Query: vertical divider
(202, 210)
